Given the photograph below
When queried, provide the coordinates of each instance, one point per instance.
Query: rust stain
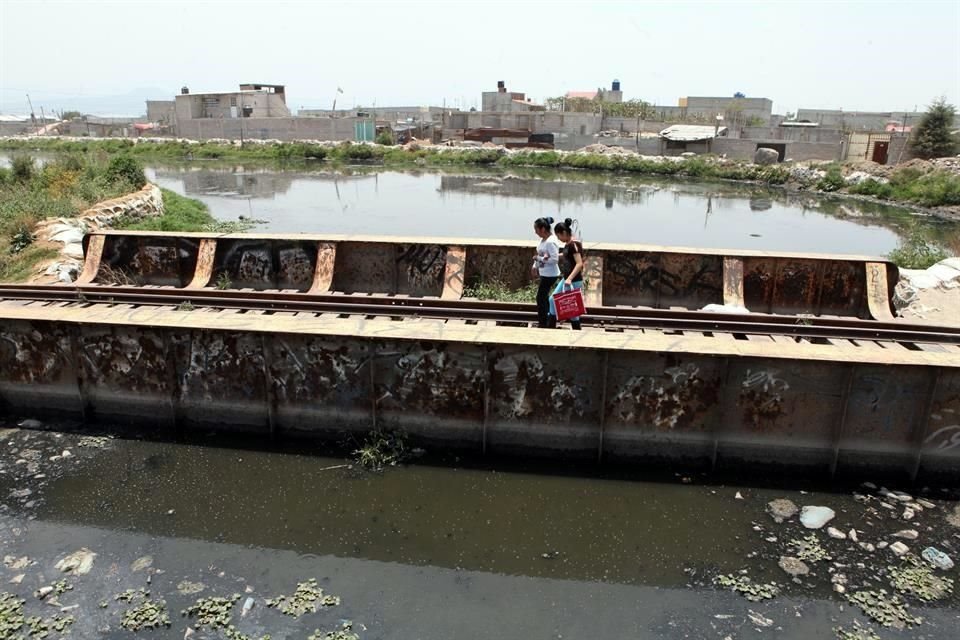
(203, 272)
(323, 271)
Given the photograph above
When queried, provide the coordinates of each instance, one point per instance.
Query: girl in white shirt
(546, 264)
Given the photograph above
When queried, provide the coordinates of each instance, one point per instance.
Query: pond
(497, 204)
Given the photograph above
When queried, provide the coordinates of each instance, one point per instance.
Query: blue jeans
(561, 284)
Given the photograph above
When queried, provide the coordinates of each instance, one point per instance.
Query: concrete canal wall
(714, 401)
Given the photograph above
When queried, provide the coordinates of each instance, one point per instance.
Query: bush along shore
(917, 183)
(66, 187)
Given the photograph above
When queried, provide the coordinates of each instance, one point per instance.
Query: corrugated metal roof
(691, 132)
(4, 118)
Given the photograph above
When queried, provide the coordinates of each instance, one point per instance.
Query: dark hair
(564, 227)
(543, 223)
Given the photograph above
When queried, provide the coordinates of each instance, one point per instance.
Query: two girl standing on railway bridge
(571, 266)
(550, 262)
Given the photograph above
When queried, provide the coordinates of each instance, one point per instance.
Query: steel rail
(514, 313)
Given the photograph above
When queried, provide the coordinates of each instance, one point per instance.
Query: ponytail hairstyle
(543, 223)
(566, 226)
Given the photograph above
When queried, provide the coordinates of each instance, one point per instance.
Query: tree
(932, 138)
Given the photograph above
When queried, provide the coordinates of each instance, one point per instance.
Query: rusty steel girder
(617, 275)
(710, 400)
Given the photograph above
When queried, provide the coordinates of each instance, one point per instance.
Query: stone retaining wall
(68, 232)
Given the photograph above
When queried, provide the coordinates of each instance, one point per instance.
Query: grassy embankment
(66, 187)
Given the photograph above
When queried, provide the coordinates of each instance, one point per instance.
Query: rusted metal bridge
(305, 336)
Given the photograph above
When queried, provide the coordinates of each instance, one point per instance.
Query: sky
(107, 57)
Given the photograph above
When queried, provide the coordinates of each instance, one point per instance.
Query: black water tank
(184, 90)
(616, 85)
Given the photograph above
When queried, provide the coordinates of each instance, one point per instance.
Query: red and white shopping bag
(569, 304)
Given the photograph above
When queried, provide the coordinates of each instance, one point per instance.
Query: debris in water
(95, 442)
(759, 619)
(141, 563)
(836, 534)
(382, 449)
(816, 517)
(793, 566)
(79, 562)
(907, 534)
(13, 562)
(781, 509)
(899, 548)
(937, 558)
(247, 606)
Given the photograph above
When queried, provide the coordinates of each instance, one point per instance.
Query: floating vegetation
(41, 627)
(214, 613)
(305, 599)
(382, 449)
(345, 632)
(145, 613)
(61, 586)
(809, 549)
(11, 615)
(859, 632)
(918, 579)
(890, 611)
(12, 621)
(747, 588)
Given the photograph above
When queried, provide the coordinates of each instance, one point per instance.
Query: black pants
(543, 302)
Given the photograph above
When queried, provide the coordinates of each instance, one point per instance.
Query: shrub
(833, 181)
(22, 168)
(871, 187)
(916, 251)
(124, 167)
(385, 137)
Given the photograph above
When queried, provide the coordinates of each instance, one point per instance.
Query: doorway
(880, 152)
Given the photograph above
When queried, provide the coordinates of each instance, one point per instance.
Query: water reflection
(478, 203)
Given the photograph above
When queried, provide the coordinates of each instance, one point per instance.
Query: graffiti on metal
(524, 387)
(762, 397)
(423, 265)
(666, 401)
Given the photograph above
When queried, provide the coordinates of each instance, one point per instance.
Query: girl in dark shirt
(571, 266)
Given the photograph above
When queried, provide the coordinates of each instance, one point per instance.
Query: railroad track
(511, 314)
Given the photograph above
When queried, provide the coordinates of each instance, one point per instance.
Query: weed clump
(382, 449)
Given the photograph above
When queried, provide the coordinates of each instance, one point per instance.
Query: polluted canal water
(213, 533)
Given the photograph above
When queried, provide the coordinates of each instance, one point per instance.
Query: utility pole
(33, 117)
(43, 117)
